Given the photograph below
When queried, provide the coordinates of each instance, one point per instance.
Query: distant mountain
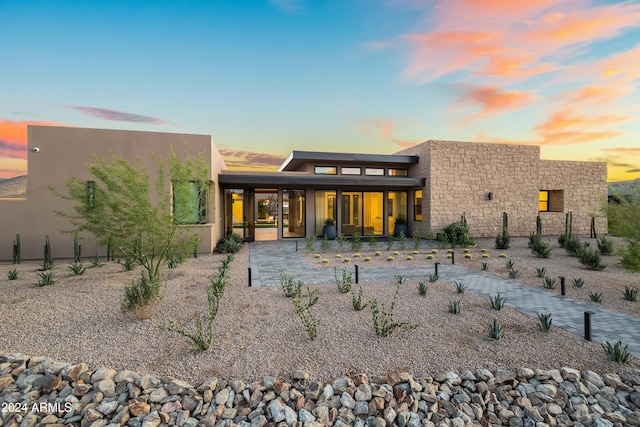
(13, 187)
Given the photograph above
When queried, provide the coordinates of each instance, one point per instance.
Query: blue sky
(266, 77)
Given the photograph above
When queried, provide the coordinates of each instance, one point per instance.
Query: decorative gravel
(78, 319)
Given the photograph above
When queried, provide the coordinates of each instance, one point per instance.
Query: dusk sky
(266, 77)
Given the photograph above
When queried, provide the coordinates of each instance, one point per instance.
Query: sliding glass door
(362, 212)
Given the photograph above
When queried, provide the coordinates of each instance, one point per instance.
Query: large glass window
(293, 222)
(326, 208)
(325, 170)
(417, 205)
(362, 212)
(396, 208)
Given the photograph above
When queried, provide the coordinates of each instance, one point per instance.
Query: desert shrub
(630, 255)
(605, 246)
(13, 274)
(573, 245)
(302, 309)
(344, 282)
(202, 337)
(324, 243)
(457, 233)
(460, 287)
(562, 240)
(596, 297)
(128, 264)
(373, 241)
(356, 300)
(417, 241)
(549, 283)
(591, 259)
(96, 262)
(383, 320)
(541, 272)
(341, 240)
(290, 290)
(503, 241)
(578, 282)
(514, 274)
(310, 242)
(539, 247)
(140, 293)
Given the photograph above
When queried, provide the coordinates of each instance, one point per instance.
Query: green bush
(302, 309)
(457, 233)
(573, 245)
(140, 293)
(538, 247)
(630, 255)
(591, 259)
(356, 242)
(503, 241)
(310, 242)
(605, 246)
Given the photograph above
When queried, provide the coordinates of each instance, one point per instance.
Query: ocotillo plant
(538, 225)
(77, 249)
(568, 224)
(16, 250)
(47, 251)
(109, 250)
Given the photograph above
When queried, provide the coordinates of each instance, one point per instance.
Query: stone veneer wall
(461, 174)
(585, 189)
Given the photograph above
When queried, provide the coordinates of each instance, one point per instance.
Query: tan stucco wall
(65, 152)
(459, 176)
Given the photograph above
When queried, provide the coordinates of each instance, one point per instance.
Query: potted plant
(329, 229)
(401, 226)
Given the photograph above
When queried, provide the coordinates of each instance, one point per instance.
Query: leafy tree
(138, 217)
(623, 215)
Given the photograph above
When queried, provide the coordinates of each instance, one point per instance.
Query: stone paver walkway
(269, 260)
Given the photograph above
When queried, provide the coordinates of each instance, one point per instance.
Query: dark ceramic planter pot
(330, 231)
(400, 228)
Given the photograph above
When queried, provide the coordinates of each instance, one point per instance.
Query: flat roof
(298, 158)
(244, 179)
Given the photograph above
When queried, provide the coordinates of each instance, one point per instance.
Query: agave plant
(422, 288)
(495, 331)
(616, 352)
(630, 294)
(578, 282)
(596, 297)
(497, 302)
(549, 283)
(454, 307)
(541, 272)
(460, 287)
(545, 322)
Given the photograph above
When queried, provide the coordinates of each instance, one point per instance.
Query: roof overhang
(235, 179)
(298, 158)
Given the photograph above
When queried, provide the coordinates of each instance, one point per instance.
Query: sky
(266, 77)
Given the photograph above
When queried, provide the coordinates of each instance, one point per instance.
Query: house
(429, 186)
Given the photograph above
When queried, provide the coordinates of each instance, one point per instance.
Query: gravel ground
(257, 333)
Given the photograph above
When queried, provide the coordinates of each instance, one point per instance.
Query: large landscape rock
(75, 394)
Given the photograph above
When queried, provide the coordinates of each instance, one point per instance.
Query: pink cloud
(567, 127)
(385, 129)
(526, 38)
(493, 100)
(115, 115)
(246, 159)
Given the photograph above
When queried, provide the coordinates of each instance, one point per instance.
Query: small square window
(374, 171)
(551, 201)
(398, 172)
(326, 170)
(351, 171)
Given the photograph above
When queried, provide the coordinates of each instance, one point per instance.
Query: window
(374, 171)
(551, 201)
(417, 205)
(326, 208)
(326, 170)
(293, 218)
(398, 172)
(396, 208)
(351, 171)
(190, 203)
